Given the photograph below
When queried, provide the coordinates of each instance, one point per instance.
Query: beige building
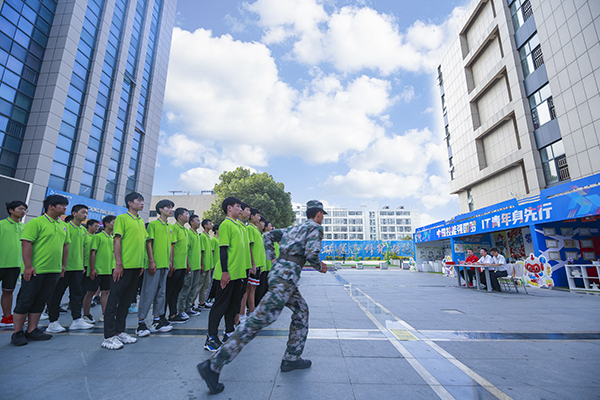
(196, 204)
(520, 98)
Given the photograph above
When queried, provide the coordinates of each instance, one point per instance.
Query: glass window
(89, 167)
(554, 163)
(531, 55)
(11, 78)
(87, 179)
(85, 191)
(58, 169)
(26, 26)
(56, 183)
(521, 11)
(542, 106)
(61, 156)
(7, 93)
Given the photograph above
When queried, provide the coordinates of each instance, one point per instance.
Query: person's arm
(65, 257)
(118, 272)
(225, 276)
(151, 261)
(313, 248)
(171, 264)
(253, 269)
(27, 249)
(270, 238)
(202, 261)
(93, 271)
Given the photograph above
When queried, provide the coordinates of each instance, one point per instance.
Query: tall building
(81, 92)
(520, 92)
(365, 223)
(519, 86)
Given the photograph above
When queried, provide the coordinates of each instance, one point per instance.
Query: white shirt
(486, 260)
(499, 260)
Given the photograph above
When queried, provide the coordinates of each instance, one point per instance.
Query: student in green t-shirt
(45, 245)
(257, 249)
(181, 267)
(129, 241)
(11, 259)
(229, 273)
(72, 278)
(159, 249)
(102, 262)
(207, 265)
(192, 280)
(214, 244)
(250, 268)
(264, 274)
(92, 227)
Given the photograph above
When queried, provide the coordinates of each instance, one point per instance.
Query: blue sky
(337, 99)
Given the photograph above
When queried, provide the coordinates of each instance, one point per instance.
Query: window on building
(470, 200)
(531, 55)
(451, 168)
(440, 77)
(326, 221)
(554, 163)
(153, 214)
(447, 138)
(359, 236)
(443, 104)
(328, 236)
(521, 11)
(542, 106)
(392, 236)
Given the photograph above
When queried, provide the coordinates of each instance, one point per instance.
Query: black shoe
(18, 339)
(37, 335)
(210, 377)
(212, 343)
(287, 366)
(227, 336)
(177, 319)
(62, 310)
(206, 305)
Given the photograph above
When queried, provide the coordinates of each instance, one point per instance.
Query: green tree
(258, 190)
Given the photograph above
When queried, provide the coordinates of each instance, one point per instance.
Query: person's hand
(118, 272)
(28, 273)
(225, 278)
(152, 267)
(171, 270)
(62, 272)
(93, 273)
(323, 267)
(187, 270)
(253, 270)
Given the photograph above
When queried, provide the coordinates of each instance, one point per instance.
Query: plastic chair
(518, 277)
(506, 281)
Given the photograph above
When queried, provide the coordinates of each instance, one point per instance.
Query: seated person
(471, 259)
(499, 261)
(484, 259)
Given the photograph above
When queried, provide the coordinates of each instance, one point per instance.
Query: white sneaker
(55, 327)
(80, 324)
(44, 316)
(112, 343)
(242, 318)
(125, 338)
(101, 318)
(184, 315)
(89, 319)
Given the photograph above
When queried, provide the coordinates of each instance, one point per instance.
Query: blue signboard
(570, 200)
(366, 248)
(96, 209)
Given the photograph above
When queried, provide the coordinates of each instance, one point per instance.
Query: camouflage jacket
(303, 241)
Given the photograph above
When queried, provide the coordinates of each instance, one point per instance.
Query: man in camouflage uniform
(299, 244)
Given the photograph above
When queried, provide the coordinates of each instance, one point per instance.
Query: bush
(328, 258)
(338, 258)
(378, 258)
(350, 258)
(367, 258)
(359, 259)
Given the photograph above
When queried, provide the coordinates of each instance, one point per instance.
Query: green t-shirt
(75, 260)
(214, 243)
(194, 251)
(103, 243)
(87, 243)
(231, 236)
(10, 243)
(182, 246)
(161, 234)
(258, 248)
(133, 240)
(47, 237)
(207, 254)
(244, 229)
(268, 263)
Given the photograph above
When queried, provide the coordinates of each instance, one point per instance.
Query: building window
(470, 200)
(440, 77)
(451, 169)
(542, 106)
(443, 104)
(153, 214)
(447, 138)
(554, 163)
(531, 55)
(521, 11)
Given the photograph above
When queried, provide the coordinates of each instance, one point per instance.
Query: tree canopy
(259, 191)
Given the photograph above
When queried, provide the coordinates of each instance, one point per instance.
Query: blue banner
(96, 209)
(366, 248)
(570, 200)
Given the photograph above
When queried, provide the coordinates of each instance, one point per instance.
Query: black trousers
(174, 285)
(494, 275)
(213, 289)
(74, 281)
(35, 292)
(470, 274)
(227, 304)
(262, 288)
(121, 295)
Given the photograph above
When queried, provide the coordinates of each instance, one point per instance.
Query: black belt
(295, 259)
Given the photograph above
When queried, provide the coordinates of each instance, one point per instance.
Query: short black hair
(484, 249)
(54, 200)
(312, 212)
(194, 216)
(162, 204)
(78, 207)
(69, 218)
(254, 211)
(244, 205)
(263, 219)
(133, 196)
(215, 228)
(205, 222)
(494, 249)
(230, 201)
(179, 211)
(91, 222)
(108, 219)
(14, 204)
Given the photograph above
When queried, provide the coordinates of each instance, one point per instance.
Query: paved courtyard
(374, 334)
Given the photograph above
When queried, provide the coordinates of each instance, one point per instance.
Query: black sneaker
(300, 363)
(37, 335)
(177, 319)
(160, 325)
(18, 339)
(212, 343)
(206, 305)
(227, 336)
(210, 377)
(62, 310)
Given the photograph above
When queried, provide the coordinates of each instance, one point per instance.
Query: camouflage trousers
(282, 293)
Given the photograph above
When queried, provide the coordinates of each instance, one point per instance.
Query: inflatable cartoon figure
(538, 272)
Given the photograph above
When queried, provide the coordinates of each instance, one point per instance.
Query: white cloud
(199, 179)
(353, 38)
